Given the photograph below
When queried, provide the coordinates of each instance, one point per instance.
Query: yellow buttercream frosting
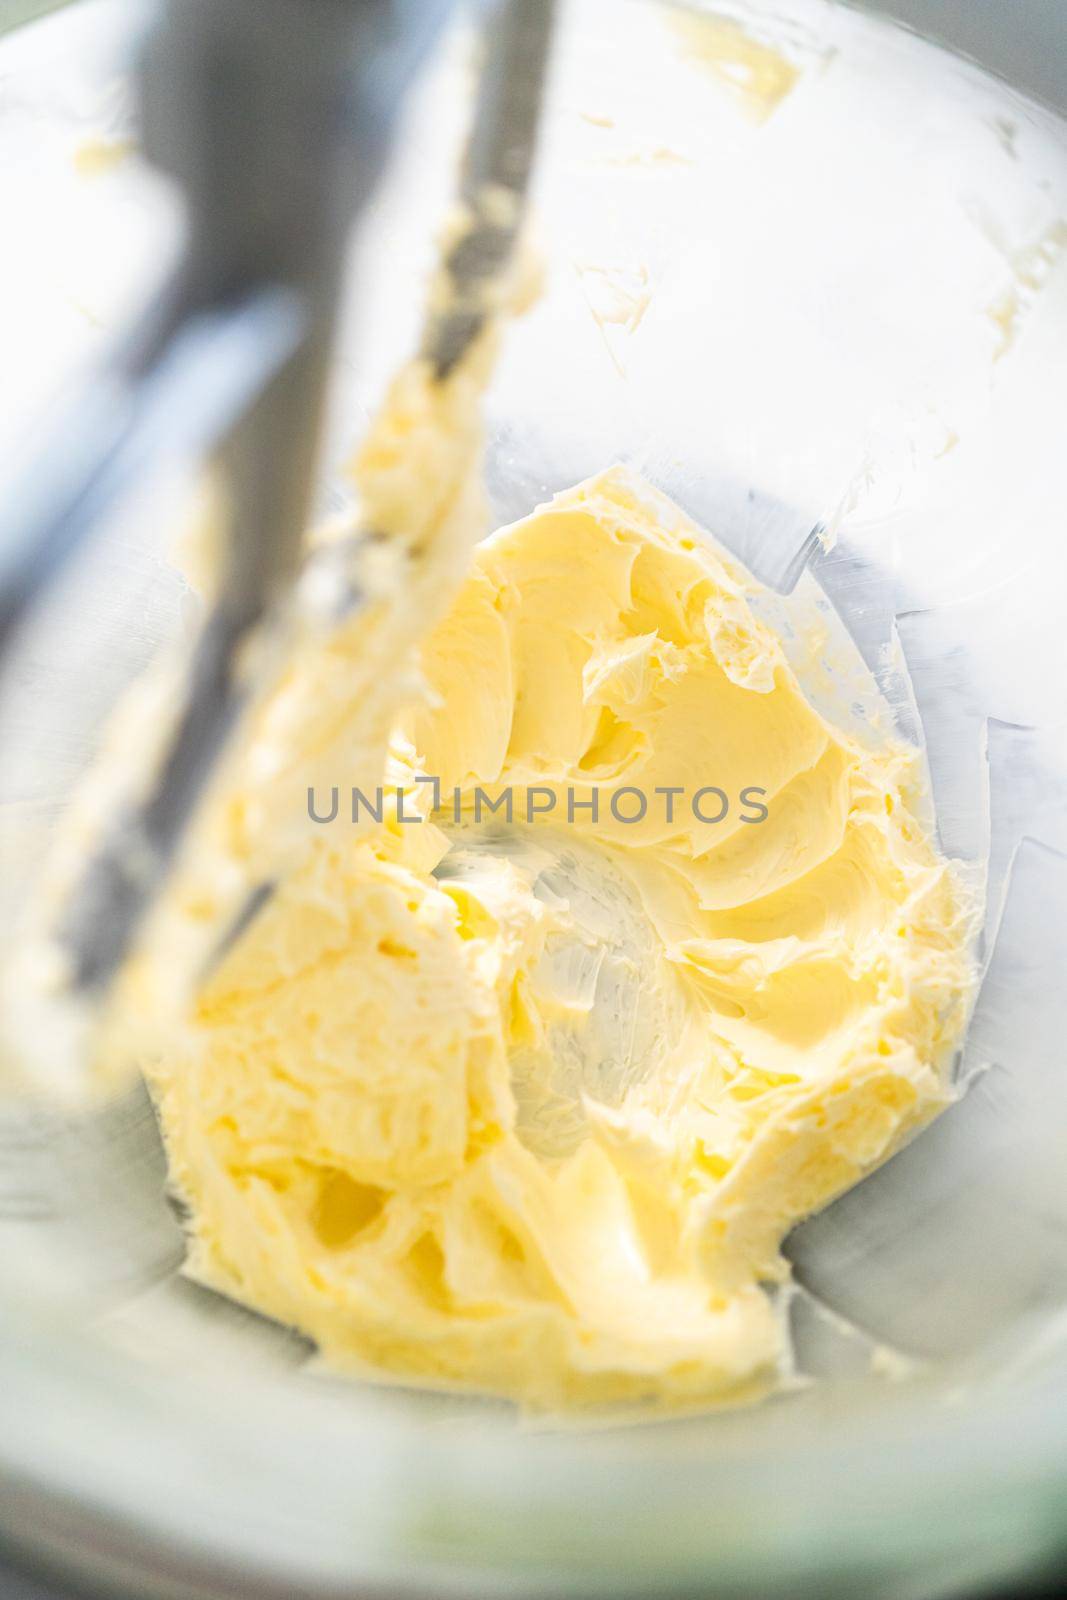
(528, 1105)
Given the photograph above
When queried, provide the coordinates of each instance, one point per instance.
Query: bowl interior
(789, 252)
